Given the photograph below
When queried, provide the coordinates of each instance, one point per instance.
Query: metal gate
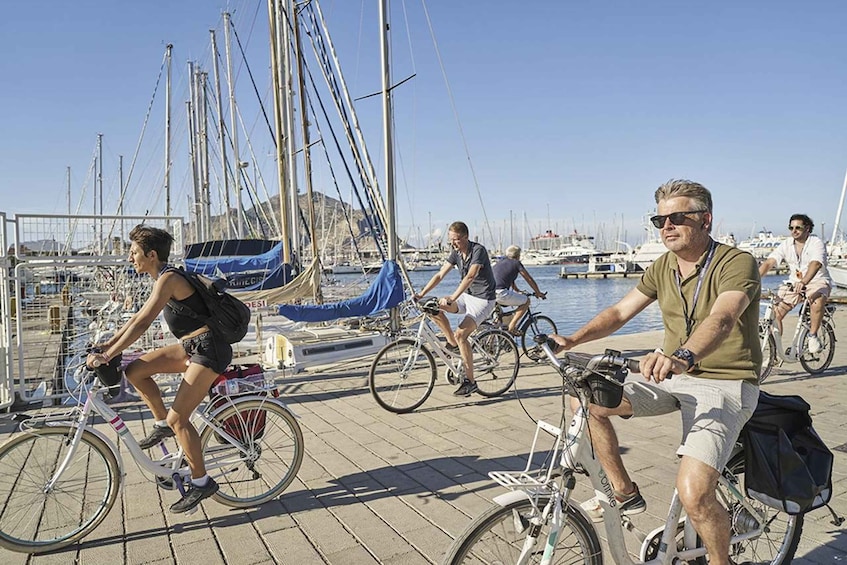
(67, 284)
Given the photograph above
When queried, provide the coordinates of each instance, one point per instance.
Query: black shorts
(209, 351)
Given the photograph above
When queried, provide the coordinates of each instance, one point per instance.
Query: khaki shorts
(792, 298)
(713, 412)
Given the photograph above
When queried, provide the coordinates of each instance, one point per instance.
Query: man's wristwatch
(685, 355)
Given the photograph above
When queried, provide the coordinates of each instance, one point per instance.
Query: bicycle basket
(605, 393)
(110, 373)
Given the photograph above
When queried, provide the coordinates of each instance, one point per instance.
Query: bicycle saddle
(430, 306)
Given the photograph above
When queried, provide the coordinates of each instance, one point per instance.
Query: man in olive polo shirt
(709, 297)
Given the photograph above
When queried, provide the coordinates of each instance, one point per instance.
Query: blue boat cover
(212, 266)
(385, 292)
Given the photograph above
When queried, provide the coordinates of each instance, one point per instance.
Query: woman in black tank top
(200, 356)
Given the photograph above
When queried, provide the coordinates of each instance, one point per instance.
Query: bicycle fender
(511, 497)
(518, 495)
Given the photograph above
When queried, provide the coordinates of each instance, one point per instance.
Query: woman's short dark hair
(152, 239)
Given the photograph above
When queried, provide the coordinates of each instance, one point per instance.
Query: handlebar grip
(633, 366)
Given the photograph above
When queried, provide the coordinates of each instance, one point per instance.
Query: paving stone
(377, 487)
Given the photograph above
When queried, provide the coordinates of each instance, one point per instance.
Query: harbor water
(570, 302)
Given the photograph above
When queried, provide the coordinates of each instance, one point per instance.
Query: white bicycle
(403, 372)
(539, 508)
(60, 476)
(773, 354)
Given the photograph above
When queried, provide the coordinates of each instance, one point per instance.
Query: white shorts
(478, 309)
(509, 297)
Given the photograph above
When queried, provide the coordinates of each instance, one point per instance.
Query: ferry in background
(762, 245)
(551, 248)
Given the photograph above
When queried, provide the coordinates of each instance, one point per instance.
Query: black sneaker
(157, 435)
(451, 348)
(193, 496)
(467, 388)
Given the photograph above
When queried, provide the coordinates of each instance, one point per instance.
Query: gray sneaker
(631, 504)
(467, 388)
(194, 495)
(156, 436)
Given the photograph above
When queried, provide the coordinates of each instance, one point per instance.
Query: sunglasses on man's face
(796, 228)
(677, 218)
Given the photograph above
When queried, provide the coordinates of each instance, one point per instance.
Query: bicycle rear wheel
(539, 325)
(498, 535)
(266, 459)
(34, 519)
(816, 363)
(402, 376)
(496, 362)
(777, 543)
(768, 358)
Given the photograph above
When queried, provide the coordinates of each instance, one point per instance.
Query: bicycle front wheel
(266, 457)
(818, 362)
(781, 532)
(402, 376)
(768, 358)
(498, 536)
(496, 362)
(35, 518)
(540, 325)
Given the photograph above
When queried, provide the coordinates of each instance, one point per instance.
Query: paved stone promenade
(376, 487)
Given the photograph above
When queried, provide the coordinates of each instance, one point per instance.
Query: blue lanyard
(689, 317)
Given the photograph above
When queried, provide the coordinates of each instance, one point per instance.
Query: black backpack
(787, 465)
(228, 318)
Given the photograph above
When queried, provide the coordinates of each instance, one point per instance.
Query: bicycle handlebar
(609, 361)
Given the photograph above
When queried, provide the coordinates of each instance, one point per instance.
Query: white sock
(200, 482)
(161, 423)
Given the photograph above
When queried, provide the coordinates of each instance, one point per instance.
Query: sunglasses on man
(677, 218)
(796, 228)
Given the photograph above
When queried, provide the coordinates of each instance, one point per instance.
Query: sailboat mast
(388, 139)
(836, 230)
(391, 209)
(233, 128)
(221, 133)
(288, 120)
(168, 51)
(273, 24)
(100, 183)
(304, 132)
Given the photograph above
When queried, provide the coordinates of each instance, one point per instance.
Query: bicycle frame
(574, 454)
(525, 322)
(167, 467)
(427, 335)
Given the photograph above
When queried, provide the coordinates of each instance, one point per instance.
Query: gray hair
(685, 188)
(513, 252)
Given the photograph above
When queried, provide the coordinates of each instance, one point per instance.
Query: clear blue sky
(573, 112)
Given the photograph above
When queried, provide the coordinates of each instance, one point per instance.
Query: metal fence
(67, 284)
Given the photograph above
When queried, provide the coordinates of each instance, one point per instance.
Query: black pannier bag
(786, 464)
